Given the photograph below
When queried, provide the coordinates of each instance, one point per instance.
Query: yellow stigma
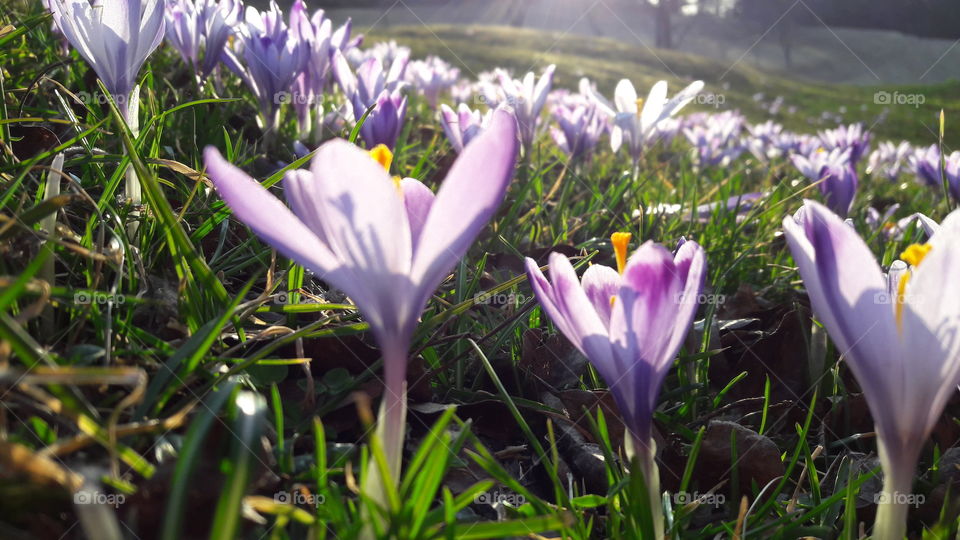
(913, 255)
(821, 150)
(620, 241)
(639, 106)
(382, 155)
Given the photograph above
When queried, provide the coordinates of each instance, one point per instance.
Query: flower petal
(267, 216)
(417, 200)
(601, 284)
(469, 196)
(360, 210)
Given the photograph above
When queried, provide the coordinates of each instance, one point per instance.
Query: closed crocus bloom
(432, 76)
(580, 129)
(199, 29)
(630, 324)
(528, 97)
(273, 57)
(372, 85)
(114, 36)
(462, 125)
(897, 333)
(387, 243)
(836, 176)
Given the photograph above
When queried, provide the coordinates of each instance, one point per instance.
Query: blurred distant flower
(630, 324)
(835, 174)
(580, 129)
(851, 137)
(386, 52)
(432, 76)
(635, 120)
(898, 335)
(387, 243)
(272, 58)
(315, 35)
(527, 98)
(716, 141)
(370, 86)
(462, 125)
(199, 29)
(888, 158)
(741, 204)
(769, 141)
(925, 163)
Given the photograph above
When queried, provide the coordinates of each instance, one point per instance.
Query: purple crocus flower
(387, 243)
(315, 35)
(580, 129)
(768, 141)
(432, 76)
(114, 36)
(716, 140)
(635, 120)
(527, 98)
(888, 159)
(630, 324)
(836, 176)
(925, 163)
(898, 334)
(851, 137)
(273, 57)
(199, 29)
(462, 125)
(374, 86)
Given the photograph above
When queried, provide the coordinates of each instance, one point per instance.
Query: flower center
(639, 106)
(913, 255)
(382, 155)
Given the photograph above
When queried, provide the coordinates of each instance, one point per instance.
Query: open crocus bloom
(386, 242)
(901, 338)
(630, 325)
(635, 120)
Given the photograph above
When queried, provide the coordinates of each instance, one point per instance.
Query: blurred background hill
(839, 41)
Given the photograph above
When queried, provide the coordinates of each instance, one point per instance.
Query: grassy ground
(200, 386)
